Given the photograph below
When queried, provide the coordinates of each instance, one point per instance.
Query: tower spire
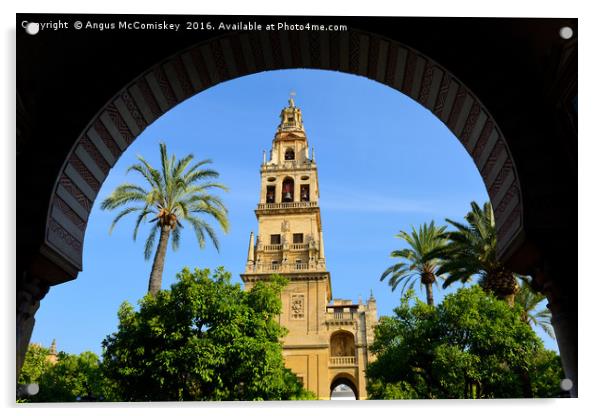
(251, 252)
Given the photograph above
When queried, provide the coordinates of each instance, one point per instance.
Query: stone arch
(347, 379)
(201, 66)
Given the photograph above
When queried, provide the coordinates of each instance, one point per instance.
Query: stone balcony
(289, 165)
(340, 317)
(286, 205)
(350, 361)
(271, 248)
(285, 267)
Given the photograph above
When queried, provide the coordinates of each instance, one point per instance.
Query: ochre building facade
(327, 341)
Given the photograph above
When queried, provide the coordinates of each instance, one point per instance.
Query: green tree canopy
(71, 378)
(36, 363)
(205, 339)
(470, 346)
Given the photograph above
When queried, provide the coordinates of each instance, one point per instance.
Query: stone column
(321, 255)
(297, 187)
(562, 302)
(360, 376)
(278, 196)
(30, 292)
(565, 329)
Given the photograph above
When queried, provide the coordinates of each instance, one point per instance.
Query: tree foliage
(532, 313)
(472, 250)
(205, 339)
(36, 363)
(470, 346)
(71, 378)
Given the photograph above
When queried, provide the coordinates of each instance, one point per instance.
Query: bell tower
(290, 243)
(290, 230)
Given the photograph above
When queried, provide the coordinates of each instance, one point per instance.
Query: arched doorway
(121, 119)
(343, 387)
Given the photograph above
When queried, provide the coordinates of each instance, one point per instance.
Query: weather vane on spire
(290, 100)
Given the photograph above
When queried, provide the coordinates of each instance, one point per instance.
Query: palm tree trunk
(154, 283)
(429, 294)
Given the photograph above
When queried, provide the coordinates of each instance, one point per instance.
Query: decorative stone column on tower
(327, 343)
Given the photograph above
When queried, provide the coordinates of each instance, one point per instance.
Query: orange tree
(205, 339)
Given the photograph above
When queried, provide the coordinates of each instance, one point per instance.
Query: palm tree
(174, 193)
(414, 264)
(529, 301)
(471, 250)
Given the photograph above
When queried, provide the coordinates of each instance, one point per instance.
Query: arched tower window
(270, 194)
(304, 192)
(289, 154)
(288, 190)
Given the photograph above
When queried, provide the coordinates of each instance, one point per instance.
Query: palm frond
(175, 238)
(180, 191)
(150, 243)
(416, 258)
(531, 303)
(165, 171)
(143, 214)
(121, 215)
(178, 168)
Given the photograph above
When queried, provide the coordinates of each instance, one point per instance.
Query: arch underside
(346, 379)
(199, 67)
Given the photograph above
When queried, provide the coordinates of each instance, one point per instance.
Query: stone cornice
(297, 276)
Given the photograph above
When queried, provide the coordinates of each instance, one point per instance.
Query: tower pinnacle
(290, 117)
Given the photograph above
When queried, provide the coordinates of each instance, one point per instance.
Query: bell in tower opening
(289, 154)
(288, 193)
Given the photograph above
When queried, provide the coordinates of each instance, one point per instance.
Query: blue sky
(384, 164)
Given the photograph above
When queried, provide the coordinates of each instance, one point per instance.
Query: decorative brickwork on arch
(193, 70)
